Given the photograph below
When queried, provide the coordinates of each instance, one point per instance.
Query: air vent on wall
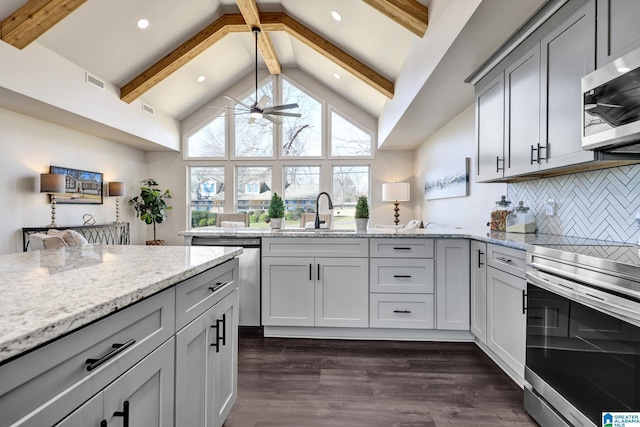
(148, 108)
(93, 80)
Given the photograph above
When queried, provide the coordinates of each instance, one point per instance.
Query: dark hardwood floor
(309, 383)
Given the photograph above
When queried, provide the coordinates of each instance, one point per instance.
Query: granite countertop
(46, 294)
(512, 240)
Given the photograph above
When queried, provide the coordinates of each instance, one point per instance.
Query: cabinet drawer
(196, 295)
(59, 371)
(507, 259)
(412, 276)
(402, 248)
(410, 311)
(315, 247)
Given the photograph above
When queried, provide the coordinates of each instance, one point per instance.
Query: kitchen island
(89, 334)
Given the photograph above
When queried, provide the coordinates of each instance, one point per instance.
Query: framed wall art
(452, 180)
(81, 187)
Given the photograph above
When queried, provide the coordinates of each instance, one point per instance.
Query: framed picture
(452, 180)
(81, 187)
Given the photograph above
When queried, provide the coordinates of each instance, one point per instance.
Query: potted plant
(276, 211)
(362, 213)
(151, 206)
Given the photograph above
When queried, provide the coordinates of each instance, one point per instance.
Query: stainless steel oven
(583, 333)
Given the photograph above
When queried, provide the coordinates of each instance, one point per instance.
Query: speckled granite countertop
(512, 240)
(46, 294)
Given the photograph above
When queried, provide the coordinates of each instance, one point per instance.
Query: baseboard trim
(367, 333)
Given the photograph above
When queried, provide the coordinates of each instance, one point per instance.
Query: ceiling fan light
(336, 15)
(256, 115)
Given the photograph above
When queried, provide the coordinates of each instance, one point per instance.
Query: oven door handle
(583, 295)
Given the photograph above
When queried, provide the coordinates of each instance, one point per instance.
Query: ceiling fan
(259, 109)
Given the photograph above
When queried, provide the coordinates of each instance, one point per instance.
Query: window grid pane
(349, 182)
(253, 193)
(301, 187)
(209, 141)
(206, 195)
(301, 136)
(253, 139)
(348, 139)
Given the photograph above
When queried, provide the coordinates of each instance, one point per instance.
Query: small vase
(275, 223)
(361, 224)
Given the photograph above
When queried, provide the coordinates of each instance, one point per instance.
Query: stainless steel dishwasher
(249, 275)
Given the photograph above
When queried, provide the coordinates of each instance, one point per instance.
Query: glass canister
(521, 220)
(499, 214)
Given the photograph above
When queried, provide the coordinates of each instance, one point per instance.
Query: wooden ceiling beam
(226, 24)
(251, 14)
(33, 19)
(282, 22)
(411, 14)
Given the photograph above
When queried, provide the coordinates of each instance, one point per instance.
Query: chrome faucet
(318, 222)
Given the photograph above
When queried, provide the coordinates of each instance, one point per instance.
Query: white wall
(29, 146)
(453, 141)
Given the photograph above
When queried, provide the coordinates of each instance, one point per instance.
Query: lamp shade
(117, 189)
(396, 191)
(51, 183)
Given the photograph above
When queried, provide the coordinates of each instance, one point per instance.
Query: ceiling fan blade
(283, 113)
(601, 104)
(236, 101)
(272, 119)
(219, 108)
(263, 102)
(281, 107)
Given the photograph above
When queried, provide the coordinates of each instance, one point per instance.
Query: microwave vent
(93, 80)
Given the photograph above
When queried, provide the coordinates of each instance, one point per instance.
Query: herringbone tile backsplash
(598, 204)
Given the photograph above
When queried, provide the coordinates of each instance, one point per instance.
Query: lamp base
(396, 215)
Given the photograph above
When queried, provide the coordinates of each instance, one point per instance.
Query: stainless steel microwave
(611, 106)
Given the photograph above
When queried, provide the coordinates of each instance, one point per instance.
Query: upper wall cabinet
(618, 29)
(528, 107)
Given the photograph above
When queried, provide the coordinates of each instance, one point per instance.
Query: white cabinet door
(206, 365)
(144, 394)
(490, 130)
(225, 355)
(568, 54)
(522, 88)
(288, 291)
(342, 292)
(506, 319)
(452, 284)
(479, 290)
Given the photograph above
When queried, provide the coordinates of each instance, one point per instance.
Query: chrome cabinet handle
(217, 286)
(124, 414)
(503, 259)
(402, 311)
(117, 348)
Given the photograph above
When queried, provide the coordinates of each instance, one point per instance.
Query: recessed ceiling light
(336, 75)
(201, 79)
(623, 69)
(336, 15)
(142, 23)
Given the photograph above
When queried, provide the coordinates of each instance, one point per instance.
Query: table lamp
(395, 192)
(52, 184)
(117, 189)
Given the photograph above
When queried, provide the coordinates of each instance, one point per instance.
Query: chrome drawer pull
(503, 259)
(402, 275)
(402, 311)
(217, 286)
(117, 348)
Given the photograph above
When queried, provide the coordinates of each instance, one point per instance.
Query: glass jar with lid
(521, 220)
(499, 214)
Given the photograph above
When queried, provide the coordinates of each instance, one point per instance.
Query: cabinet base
(367, 333)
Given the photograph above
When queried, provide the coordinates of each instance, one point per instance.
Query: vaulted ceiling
(370, 48)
